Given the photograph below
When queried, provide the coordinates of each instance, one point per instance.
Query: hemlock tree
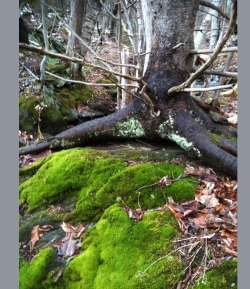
(158, 110)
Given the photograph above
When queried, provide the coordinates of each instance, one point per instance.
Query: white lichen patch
(130, 128)
(178, 139)
(181, 141)
(184, 143)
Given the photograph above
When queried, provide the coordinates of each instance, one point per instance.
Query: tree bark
(77, 13)
(178, 118)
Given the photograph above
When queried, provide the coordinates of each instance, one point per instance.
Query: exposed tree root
(203, 146)
(175, 123)
(202, 117)
(82, 134)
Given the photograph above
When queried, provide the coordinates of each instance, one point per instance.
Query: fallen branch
(204, 89)
(208, 63)
(86, 83)
(214, 7)
(30, 72)
(209, 51)
(64, 57)
(222, 73)
(117, 64)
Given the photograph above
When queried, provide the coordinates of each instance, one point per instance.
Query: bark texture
(178, 118)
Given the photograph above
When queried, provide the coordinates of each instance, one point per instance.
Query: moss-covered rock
(97, 180)
(223, 277)
(117, 251)
(135, 186)
(64, 174)
(58, 113)
(33, 275)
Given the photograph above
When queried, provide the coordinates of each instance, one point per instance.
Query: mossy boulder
(223, 277)
(135, 186)
(98, 179)
(33, 274)
(59, 112)
(117, 250)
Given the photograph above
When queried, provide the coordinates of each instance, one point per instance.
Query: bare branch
(222, 73)
(30, 72)
(64, 57)
(118, 64)
(208, 63)
(86, 83)
(204, 89)
(214, 7)
(210, 51)
(108, 11)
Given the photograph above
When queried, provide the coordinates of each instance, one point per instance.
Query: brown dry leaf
(72, 231)
(135, 214)
(165, 181)
(172, 209)
(210, 201)
(37, 233)
(200, 221)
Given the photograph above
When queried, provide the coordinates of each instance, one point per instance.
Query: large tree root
(202, 116)
(200, 143)
(175, 123)
(102, 128)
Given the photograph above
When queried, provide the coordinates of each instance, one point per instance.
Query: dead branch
(222, 73)
(208, 63)
(64, 57)
(204, 89)
(87, 83)
(118, 64)
(210, 51)
(214, 7)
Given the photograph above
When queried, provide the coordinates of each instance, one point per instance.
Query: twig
(86, 83)
(203, 89)
(117, 64)
(209, 51)
(30, 72)
(208, 63)
(163, 257)
(108, 11)
(222, 73)
(64, 57)
(214, 7)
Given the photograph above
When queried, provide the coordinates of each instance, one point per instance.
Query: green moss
(64, 174)
(217, 138)
(223, 277)
(29, 170)
(116, 250)
(34, 273)
(58, 114)
(28, 116)
(112, 90)
(136, 186)
(97, 180)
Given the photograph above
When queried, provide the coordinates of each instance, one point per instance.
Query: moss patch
(116, 250)
(97, 180)
(58, 114)
(223, 277)
(136, 186)
(65, 174)
(33, 274)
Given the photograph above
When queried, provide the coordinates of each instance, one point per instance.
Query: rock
(91, 186)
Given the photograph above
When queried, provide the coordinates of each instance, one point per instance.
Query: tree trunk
(77, 12)
(178, 118)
